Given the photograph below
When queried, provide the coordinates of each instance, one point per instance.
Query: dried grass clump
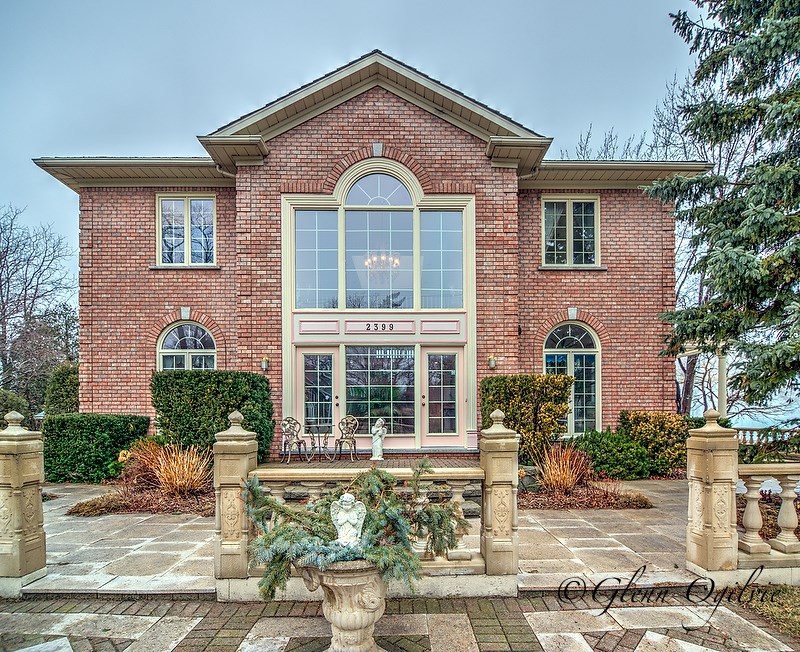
(109, 503)
(562, 468)
(175, 470)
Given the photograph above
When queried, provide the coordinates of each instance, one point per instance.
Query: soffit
(83, 172)
(607, 174)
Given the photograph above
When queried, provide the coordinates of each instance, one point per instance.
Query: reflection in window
(570, 349)
(316, 238)
(442, 392)
(570, 232)
(188, 346)
(186, 226)
(379, 268)
(442, 256)
(378, 190)
(380, 383)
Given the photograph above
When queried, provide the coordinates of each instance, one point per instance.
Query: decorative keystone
(236, 432)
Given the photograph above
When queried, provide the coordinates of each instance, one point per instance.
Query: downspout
(225, 173)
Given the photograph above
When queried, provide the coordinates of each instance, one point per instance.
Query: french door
(417, 391)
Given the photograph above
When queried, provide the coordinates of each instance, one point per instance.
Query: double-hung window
(186, 230)
(570, 232)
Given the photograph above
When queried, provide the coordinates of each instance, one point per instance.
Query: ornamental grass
(562, 468)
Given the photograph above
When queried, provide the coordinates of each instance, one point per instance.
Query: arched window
(187, 346)
(379, 249)
(571, 349)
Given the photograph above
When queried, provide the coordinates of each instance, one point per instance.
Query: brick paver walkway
(417, 625)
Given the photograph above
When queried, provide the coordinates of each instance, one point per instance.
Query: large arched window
(571, 349)
(187, 346)
(379, 250)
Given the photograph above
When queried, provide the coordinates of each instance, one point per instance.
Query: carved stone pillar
(234, 458)
(712, 470)
(22, 540)
(499, 448)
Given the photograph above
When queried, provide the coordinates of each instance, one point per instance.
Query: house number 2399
(382, 326)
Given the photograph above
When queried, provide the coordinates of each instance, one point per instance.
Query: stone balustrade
(751, 436)
(787, 476)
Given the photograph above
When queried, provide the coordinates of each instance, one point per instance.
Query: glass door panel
(441, 398)
(318, 395)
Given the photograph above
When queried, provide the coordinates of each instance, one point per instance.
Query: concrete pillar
(234, 458)
(712, 470)
(499, 448)
(22, 541)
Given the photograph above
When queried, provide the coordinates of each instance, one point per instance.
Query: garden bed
(600, 495)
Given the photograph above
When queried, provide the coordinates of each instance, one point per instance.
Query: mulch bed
(585, 497)
(146, 500)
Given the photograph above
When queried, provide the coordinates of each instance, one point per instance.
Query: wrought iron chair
(292, 439)
(348, 427)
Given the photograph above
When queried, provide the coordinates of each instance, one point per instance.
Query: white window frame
(187, 228)
(596, 351)
(421, 204)
(187, 353)
(569, 200)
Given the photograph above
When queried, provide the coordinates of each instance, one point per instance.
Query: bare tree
(34, 280)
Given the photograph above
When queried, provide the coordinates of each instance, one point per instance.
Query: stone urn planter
(355, 598)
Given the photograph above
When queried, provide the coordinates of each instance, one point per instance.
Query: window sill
(163, 267)
(573, 268)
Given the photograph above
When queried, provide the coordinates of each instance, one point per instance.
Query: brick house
(376, 243)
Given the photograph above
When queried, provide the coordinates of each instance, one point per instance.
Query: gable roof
(508, 141)
(375, 69)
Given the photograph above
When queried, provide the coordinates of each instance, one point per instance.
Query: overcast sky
(145, 77)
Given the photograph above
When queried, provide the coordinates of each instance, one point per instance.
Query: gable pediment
(521, 146)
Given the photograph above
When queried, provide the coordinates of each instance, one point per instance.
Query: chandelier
(382, 261)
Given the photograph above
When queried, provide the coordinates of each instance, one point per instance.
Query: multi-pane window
(442, 259)
(380, 383)
(570, 232)
(186, 230)
(394, 255)
(442, 392)
(187, 346)
(318, 388)
(570, 349)
(316, 259)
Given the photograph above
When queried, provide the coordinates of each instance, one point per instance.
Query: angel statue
(378, 435)
(347, 515)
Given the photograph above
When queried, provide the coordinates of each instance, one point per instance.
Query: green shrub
(80, 447)
(663, 434)
(11, 402)
(535, 407)
(192, 406)
(615, 455)
(61, 395)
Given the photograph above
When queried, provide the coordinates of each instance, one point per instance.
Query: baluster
(786, 541)
(277, 488)
(750, 541)
(460, 552)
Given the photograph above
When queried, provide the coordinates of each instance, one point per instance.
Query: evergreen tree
(746, 221)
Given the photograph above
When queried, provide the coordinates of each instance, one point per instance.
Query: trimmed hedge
(61, 395)
(80, 447)
(192, 406)
(615, 455)
(663, 434)
(11, 402)
(534, 405)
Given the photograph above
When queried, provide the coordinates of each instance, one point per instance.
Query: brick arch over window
(391, 153)
(584, 316)
(174, 316)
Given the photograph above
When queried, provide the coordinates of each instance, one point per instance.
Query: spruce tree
(747, 221)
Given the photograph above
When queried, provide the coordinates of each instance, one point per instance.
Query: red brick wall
(621, 304)
(125, 305)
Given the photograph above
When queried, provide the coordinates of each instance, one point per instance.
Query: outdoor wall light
(264, 363)
(492, 362)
